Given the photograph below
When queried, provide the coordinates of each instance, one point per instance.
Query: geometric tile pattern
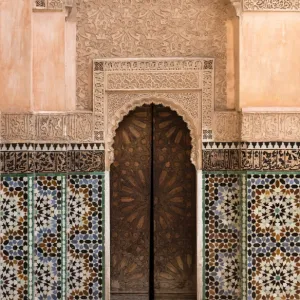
(33, 237)
(48, 237)
(272, 221)
(85, 248)
(14, 237)
(222, 233)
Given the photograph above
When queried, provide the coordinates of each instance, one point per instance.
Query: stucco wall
(48, 61)
(37, 59)
(15, 55)
(270, 64)
(41, 69)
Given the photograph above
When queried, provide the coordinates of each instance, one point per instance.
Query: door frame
(186, 85)
(199, 194)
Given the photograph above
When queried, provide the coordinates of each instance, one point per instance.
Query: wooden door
(153, 208)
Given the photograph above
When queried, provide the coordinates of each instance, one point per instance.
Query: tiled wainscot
(52, 236)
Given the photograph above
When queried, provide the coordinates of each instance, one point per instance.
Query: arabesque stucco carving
(152, 28)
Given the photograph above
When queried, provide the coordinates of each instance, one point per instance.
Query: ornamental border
(270, 5)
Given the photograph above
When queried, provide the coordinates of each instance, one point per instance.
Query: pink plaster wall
(270, 59)
(49, 61)
(15, 55)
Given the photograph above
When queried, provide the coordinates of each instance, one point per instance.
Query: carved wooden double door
(153, 208)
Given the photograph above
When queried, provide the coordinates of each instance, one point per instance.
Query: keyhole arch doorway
(143, 232)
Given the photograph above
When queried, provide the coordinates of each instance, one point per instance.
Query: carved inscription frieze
(46, 158)
(268, 156)
(144, 64)
(65, 127)
(51, 127)
(17, 127)
(270, 127)
(221, 156)
(80, 127)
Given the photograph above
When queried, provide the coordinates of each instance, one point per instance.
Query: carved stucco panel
(149, 98)
(162, 64)
(120, 85)
(227, 126)
(17, 127)
(49, 4)
(51, 127)
(207, 100)
(153, 28)
(189, 101)
(270, 127)
(70, 127)
(80, 127)
(276, 5)
(154, 80)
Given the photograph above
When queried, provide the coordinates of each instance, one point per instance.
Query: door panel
(130, 206)
(174, 208)
(153, 187)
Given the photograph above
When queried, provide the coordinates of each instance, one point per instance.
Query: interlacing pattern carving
(167, 64)
(159, 80)
(49, 4)
(55, 4)
(227, 126)
(285, 5)
(40, 3)
(47, 127)
(184, 85)
(113, 124)
(270, 126)
(189, 101)
(207, 101)
(98, 101)
(17, 127)
(152, 28)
